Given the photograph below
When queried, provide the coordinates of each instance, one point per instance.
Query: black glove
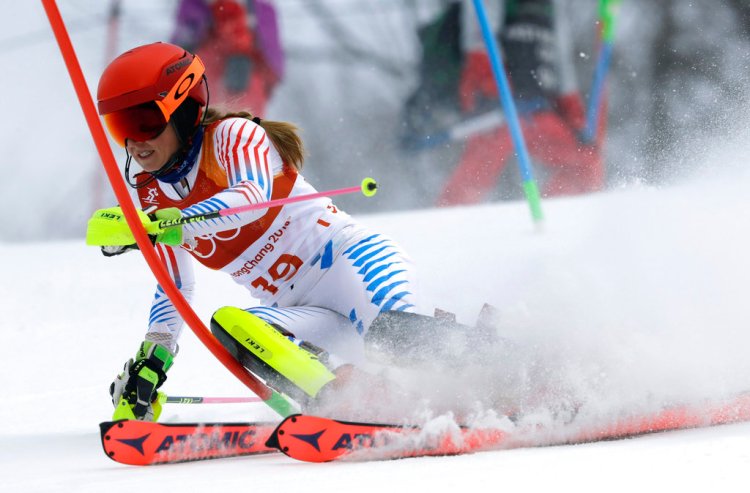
(114, 250)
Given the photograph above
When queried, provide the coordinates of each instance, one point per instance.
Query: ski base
(141, 443)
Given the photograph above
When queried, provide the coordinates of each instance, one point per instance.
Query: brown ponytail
(284, 136)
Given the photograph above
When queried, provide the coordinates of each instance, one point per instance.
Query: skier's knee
(218, 321)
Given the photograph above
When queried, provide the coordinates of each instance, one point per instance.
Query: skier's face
(152, 154)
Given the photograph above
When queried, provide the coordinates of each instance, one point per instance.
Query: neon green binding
(266, 343)
(125, 411)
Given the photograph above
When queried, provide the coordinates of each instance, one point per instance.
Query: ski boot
(289, 366)
(413, 340)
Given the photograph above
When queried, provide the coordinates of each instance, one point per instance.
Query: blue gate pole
(530, 187)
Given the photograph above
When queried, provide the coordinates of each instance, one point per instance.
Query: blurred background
(345, 71)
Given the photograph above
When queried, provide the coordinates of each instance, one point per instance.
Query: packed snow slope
(636, 297)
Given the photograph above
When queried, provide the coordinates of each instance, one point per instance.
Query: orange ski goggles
(147, 121)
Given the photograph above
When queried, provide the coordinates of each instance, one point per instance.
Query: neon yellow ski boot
(290, 366)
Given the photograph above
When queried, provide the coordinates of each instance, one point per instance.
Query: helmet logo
(178, 65)
(181, 89)
(175, 96)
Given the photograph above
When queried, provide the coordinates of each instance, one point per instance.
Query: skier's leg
(358, 275)
(355, 277)
(270, 351)
(319, 382)
(317, 326)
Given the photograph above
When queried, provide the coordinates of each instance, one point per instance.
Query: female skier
(320, 276)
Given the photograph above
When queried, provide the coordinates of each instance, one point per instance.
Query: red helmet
(141, 89)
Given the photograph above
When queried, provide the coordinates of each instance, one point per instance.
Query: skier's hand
(112, 251)
(134, 391)
(107, 227)
(477, 81)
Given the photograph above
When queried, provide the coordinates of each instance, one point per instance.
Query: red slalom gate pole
(275, 400)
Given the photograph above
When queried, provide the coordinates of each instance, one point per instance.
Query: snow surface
(638, 297)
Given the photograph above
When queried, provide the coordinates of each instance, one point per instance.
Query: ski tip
(273, 440)
(105, 428)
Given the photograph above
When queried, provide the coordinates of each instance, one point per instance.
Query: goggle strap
(179, 92)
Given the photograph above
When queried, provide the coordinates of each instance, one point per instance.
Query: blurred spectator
(539, 60)
(239, 43)
(433, 106)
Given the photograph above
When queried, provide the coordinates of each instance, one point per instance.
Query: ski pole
(509, 108)
(182, 399)
(368, 187)
(607, 11)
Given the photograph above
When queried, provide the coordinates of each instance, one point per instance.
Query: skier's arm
(164, 323)
(134, 391)
(242, 150)
(191, 26)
